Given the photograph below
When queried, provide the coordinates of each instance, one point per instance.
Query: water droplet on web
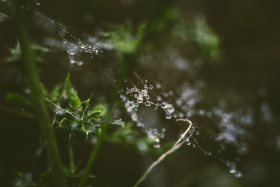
(134, 117)
(71, 52)
(158, 86)
(145, 92)
(151, 87)
(131, 104)
(168, 116)
(148, 103)
(140, 98)
(238, 175)
(232, 171)
(145, 86)
(156, 146)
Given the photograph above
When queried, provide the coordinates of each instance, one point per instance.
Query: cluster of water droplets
(156, 135)
(233, 170)
(76, 48)
(134, 97)
(140, 96)
(137, 96)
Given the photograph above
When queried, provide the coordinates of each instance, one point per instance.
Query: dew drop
(140, 99)
(238, 175)
(148, 103)
(232, 171)
(158, 98)
(131, 104)
(168, 116)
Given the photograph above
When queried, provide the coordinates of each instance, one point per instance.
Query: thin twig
(176, 146)
(66, 111)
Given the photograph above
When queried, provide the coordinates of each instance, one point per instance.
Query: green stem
(96, 149)
(71, 158)
(38, 96)
(127, 68)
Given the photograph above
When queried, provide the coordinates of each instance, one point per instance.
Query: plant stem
(38, 95)
(96, 149)
(175, 147)
(71, 158)
(127, 68)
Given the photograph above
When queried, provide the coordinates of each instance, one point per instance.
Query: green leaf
(55, 93)
(99, 109)
(124, 40)
(24, 180)
(203, 37)
(70, 93)
(118, 122)
(16, 56)
(65, 123)
(18, 100)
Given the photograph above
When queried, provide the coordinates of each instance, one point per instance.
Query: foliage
(124, 39)
(15, 59)
(76, 117)
(24, 180)
(201, 35)
(81, 119)
(129, 38)
(18, 100)
(130, 137)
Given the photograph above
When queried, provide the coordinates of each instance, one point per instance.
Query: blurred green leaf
(124, 39)
(205, 39)
(130, 137)
(18, 100)
(24, 180)
(16, 57)
(70, 93)
(119, 122)
(99, 109)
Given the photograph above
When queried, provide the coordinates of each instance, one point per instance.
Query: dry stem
(176, 146)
